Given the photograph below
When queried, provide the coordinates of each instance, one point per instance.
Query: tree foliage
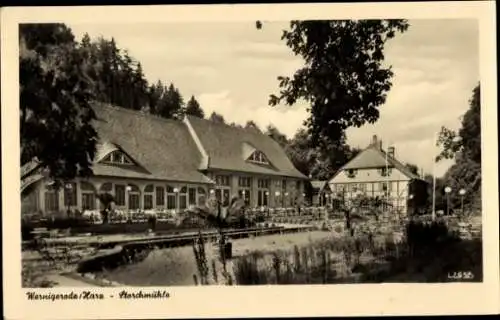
(413, 168)
(467, 140)
(464, 146)
(193, 108)
(215, 117)
(343, 78)
(318, 162)
(55, 95)
(120, 81)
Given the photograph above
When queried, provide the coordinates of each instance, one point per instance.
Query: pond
(176, 266)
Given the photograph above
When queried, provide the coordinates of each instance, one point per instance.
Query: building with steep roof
(376, 173)
(320, 192)
(148, 162)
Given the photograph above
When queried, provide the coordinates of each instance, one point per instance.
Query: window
(245, 182)
(362, 187)
(88, 201)
(148, 201)
(70, 194)
(148, 196)
(258, 157)
(133, 197)
(133, 201)
(107, 187)
(263, 183)
(171, 198)
(120, 195)
(353, 187)
(51, 199)
(384, 186)
(183, 198)
(223, 195)
(245, 195)
(384, 172)
(262, 197)
(117, 157)
(222, 180)
(160, 196)
(202, 198)
(351, 173)
(88, 195)
(277, 183)
(192, 196)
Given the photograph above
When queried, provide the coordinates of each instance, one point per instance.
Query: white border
(382, 299)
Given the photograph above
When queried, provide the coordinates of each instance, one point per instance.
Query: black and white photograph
(252, 152)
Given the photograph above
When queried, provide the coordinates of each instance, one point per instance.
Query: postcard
(250, 160)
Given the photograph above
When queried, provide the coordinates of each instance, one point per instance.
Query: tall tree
(216, 117)
(155, 94)
(343, 78)
(140, 88)
(465, 147)
(193, 108)
(55, 96)
(171, 103)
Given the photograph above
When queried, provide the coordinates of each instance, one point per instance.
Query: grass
(429, 253)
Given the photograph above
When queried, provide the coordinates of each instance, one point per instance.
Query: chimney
(390, 152)
(376, 142)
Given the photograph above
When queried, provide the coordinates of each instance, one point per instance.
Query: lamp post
(447, 190)
(267, 203)
(176, 191)
(129, 214)
(410, 198)
(462, 192)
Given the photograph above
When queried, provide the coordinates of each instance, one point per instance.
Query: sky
(232, 68)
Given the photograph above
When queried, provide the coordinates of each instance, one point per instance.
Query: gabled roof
(319, 184)
(375, 157)
(163, 148)
(225, 146)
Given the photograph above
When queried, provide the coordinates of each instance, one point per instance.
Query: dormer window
(117, 157)
(385, 172)
(258, 157)
(351, 173)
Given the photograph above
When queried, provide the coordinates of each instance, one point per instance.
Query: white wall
(369, 181)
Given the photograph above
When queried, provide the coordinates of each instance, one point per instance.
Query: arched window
(133, 197)
(258, 157)
(117, 157)
(51, 198)
(148, 196)
(120, 190)
(88, 195)
(106, 188)
(160, 196)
